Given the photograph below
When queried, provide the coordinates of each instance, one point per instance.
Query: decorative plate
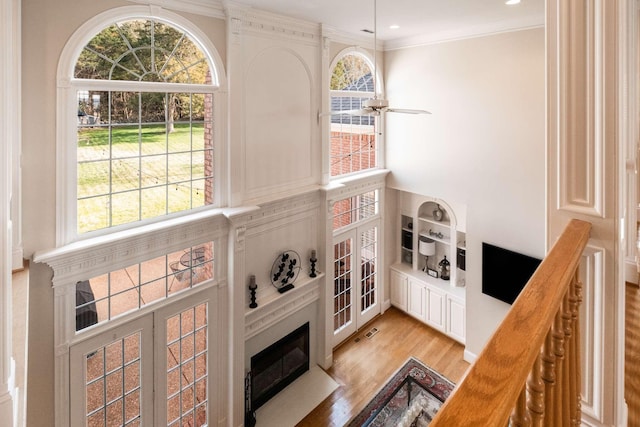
(285, 269)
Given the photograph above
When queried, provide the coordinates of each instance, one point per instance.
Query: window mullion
(134, 86)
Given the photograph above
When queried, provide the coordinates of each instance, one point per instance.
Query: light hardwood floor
(362, 365)
(632, 354)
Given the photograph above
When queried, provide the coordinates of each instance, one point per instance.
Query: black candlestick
(313, 261)
(252, 289)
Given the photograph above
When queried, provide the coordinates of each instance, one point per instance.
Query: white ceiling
(420, 21)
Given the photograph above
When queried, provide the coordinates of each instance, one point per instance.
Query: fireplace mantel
(280, 306)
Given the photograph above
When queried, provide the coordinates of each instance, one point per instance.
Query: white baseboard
(630, 271)
(17, 259)
(386, 305)
(469, 357)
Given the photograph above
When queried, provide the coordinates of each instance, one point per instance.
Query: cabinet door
(456, 319)
(398, 290)
(416, 301)
(435, 308)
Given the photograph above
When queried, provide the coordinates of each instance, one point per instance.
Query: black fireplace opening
(279, 365)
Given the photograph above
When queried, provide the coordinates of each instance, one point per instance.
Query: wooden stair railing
(528, 374)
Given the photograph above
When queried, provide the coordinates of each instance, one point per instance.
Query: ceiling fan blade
(407, 111)
(358, 112)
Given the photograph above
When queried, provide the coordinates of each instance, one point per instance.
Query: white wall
(483, 146)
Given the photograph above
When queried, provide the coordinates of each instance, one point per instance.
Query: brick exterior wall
(352, 152)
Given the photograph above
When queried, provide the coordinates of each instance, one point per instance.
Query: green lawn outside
(148, 171)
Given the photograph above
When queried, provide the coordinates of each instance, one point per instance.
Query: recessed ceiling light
(394, 27)
(510, 2)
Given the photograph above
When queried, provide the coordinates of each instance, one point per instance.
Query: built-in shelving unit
(406, 240)
(416, 282)
(442, 230)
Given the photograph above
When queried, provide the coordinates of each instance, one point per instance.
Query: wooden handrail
(545, 312)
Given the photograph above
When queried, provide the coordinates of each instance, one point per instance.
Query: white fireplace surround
(305, 292)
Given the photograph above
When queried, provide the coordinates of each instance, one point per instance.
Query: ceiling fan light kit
(375, 103)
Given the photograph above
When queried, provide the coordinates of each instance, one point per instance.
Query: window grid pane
(343, 274)
(353, 139)
(368, 260)
(142, 50)
(105, 297)
(136, 163)
(187, 372)
(357, 208)
(113, 388)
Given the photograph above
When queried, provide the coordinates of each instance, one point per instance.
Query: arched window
(138, 96)
(143, 90)
(353, 137)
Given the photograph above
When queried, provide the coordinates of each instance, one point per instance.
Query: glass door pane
(115, 382)
(343, 309)
(368, 273)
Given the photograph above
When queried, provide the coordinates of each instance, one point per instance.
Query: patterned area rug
(411, 397)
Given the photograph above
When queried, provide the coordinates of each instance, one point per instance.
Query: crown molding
(212, 8)
(255, 21)
(339, 36)
(461, 34)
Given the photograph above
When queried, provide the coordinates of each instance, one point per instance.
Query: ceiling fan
(376, 106)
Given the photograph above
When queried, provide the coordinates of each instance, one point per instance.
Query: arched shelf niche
(437, 223)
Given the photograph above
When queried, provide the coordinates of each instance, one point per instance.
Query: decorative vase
(444, 268)
(438, 213)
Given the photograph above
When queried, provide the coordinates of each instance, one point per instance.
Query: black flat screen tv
(504, 272)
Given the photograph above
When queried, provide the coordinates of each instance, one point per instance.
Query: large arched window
(138, 96)
(353, 137)
(143, 137)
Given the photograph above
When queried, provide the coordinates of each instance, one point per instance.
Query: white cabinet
(423, 297)
(435, 308)
(455, 318)
(398, 284)
(416, 299)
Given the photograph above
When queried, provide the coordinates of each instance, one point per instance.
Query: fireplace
(279, 365)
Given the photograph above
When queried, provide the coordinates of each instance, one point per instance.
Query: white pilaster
(586, 180)
(9, 127)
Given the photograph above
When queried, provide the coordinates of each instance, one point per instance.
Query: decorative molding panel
(240, 238)
(278, 209)
(278, 141)
(582, 133)
(92, 257)
(342, 189)
(592, 329)
(199, 7)
(265, 24)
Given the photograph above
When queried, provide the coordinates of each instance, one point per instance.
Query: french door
(151, 371)
(355, 283)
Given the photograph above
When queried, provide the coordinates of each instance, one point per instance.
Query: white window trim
(379, 91)
(66, 170)
(366, 55)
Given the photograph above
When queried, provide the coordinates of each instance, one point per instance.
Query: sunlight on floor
(300, 398)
